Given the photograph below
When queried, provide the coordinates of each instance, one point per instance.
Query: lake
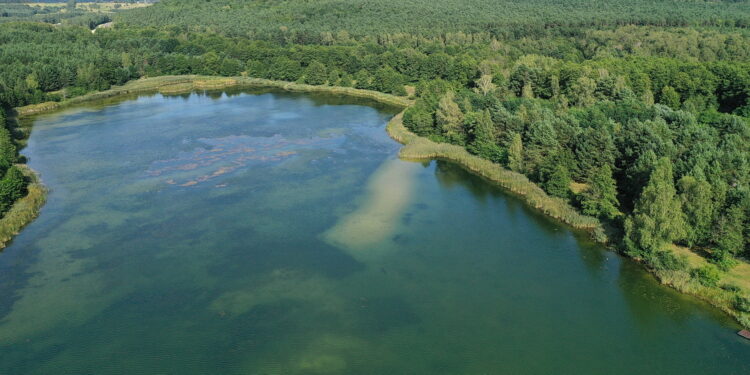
(263, 232)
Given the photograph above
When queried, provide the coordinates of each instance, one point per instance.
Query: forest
(635, 112)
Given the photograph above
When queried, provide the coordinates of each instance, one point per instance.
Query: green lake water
(262, 232)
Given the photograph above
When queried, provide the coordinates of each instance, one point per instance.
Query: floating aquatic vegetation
(220, 156)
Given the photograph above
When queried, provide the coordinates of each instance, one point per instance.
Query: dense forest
(312, 21)
(634, 112)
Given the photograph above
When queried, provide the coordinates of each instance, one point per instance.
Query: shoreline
(414, 147)
(420, 148)
(28, 207)
(25, 209)
(175, 85)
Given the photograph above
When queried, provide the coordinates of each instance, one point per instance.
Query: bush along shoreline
(682, 270)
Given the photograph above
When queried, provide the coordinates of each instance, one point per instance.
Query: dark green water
(273, 233)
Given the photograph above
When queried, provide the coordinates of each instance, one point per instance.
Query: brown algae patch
(221, 156)
(388, 192)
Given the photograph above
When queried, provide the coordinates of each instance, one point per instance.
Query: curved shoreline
(420, 148)
(27, 208)
(174, 85)
(415, 147)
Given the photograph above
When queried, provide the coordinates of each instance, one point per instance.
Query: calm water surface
(275, 233)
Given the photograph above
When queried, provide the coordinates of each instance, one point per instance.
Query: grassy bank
(24, 210)
(735, 283)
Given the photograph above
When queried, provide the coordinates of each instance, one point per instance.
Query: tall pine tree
(600, 199)
(657, 218)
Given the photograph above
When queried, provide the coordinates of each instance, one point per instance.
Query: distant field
(93, 7)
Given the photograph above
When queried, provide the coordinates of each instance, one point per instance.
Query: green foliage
(595, 147)
(13, 183)
(667, 260)
(12, 187)
(707, 275)
(729, 232)
(346, 80)
(326, 21)
(657, 218)
(600, 198)
(316, 73)
(722, 259)
(389, 81)
(7, 147)
(741, 303)
(418, 119)
(484, 142)
(285, 69)
(515, 153)
(697, 203)
(420, 148)
(449, 119)
(558, 184)
(363, 80)
(669, 97)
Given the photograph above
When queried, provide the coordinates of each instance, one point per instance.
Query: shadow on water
(648, 300)
(450, 174)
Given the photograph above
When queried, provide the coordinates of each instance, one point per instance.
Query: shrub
(723, 259)
(707, 275)
(667, 260)
(730, 288)
(741, 303)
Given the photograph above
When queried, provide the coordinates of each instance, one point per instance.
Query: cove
(265, 232)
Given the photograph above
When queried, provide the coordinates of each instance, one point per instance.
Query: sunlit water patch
(273, 233)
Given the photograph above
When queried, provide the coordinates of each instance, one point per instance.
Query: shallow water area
(264, 232)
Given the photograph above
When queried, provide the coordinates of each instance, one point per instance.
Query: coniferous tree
(657, 218)
(12, 187)
(515, 153)
(484, 142)
(600, 198)
(558, 184)
(449, 119)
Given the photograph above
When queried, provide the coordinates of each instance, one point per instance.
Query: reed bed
(715, 296)
(421, 148)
